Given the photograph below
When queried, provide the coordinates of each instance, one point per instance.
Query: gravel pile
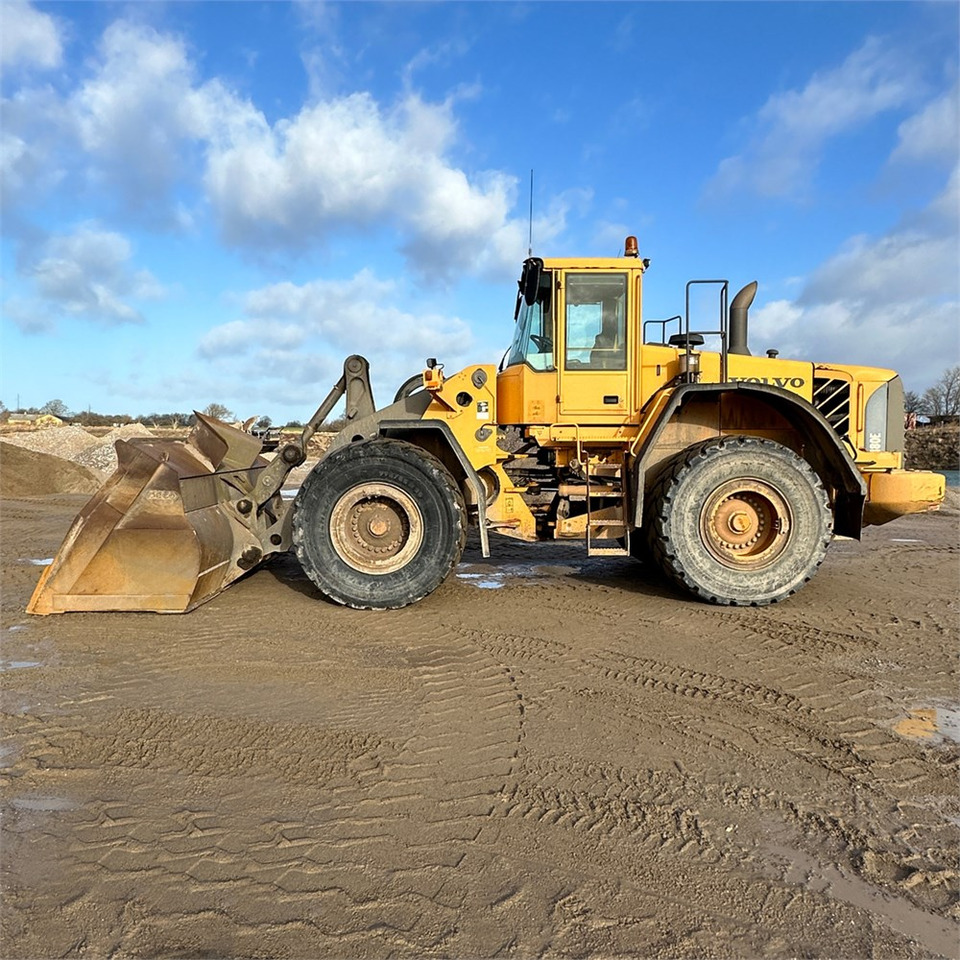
(127, 431)
(64, 442)
(319, 442)
(103, 456)
(32, 473)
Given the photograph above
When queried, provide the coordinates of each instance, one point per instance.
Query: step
(616, 551)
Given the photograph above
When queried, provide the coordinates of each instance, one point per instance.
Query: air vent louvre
(832, 399)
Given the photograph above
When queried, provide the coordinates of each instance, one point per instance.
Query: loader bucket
(160, 534)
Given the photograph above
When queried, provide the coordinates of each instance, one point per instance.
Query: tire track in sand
(903, 847)
(361, 839)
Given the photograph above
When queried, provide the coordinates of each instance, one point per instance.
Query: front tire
(740, 521)
(379, 524)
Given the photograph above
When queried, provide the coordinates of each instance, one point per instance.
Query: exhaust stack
(738, 319)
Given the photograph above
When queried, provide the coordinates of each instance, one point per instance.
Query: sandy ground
(549, 757)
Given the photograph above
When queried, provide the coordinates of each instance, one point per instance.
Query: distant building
(34, 420)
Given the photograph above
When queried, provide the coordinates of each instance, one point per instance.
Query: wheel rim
(376, 528)
(745, 523)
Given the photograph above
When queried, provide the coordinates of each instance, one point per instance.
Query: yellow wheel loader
(662, 439)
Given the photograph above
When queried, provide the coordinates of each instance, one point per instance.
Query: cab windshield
(533, 335)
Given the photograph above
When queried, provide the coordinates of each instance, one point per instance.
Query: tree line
(174, 419)
(940, 400)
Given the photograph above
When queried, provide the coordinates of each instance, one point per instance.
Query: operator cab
(575, 340)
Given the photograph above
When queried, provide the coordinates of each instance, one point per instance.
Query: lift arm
(355, 385)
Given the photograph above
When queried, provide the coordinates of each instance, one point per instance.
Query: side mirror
(530, 279)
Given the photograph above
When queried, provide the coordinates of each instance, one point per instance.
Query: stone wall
(933, 448)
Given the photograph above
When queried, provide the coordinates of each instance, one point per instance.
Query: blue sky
(217, 202)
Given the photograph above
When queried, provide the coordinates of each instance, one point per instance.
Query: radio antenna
(530, 237)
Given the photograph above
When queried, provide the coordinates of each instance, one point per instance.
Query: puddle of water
(37, 563)
(6, 665)
(497, 577)
(900, 540)
(16, 628)
(934, 933)
(482, 580)
(933, 724)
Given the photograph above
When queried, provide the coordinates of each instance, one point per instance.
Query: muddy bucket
(163, 533)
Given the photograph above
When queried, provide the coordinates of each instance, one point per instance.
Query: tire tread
(664, 491)
(445, 484)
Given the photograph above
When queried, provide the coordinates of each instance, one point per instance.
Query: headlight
(883, 418)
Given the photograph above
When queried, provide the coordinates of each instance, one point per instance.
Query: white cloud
(344, 163)
(135, 113)
(354, 315)
(918, 340)
(29, 315)
(347, 163)
(945, 209)
(34, 120)
(85, 274)
(790, 130)
(28, 37)
(302, 332)
(891, 301)
(899, 268)
(933, 133)
(15, 162)
(242, 336)
(443, 53)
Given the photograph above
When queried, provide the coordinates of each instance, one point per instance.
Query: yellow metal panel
(583, 392)
(891, 495)
(792, 375)
(472, 421)
(879, 461)
(474, 424)
(594, 263)
(659, 365)
(509, 514)
(526, 396)
(880, 374)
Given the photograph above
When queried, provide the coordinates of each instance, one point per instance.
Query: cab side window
(596, 321)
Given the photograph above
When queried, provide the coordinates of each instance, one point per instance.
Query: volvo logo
(793, 382)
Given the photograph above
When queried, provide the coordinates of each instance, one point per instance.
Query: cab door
(594, 329)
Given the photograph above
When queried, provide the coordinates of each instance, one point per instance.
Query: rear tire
(740, 521)
(379, 524)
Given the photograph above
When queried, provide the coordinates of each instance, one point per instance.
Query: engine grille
(832, 399)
